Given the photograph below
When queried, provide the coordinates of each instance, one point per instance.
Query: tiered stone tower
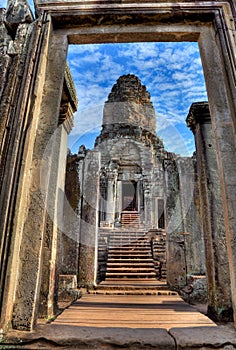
(131, 156)
(129, 113)
(129, 103)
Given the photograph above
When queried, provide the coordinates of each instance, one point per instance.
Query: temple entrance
(38, 92)
(129, 196)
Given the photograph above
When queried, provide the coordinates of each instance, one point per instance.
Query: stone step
(128, 232)
(130, 264)
(128, 240)
(133, 283)
(131, 241)
(128, 256)
(129, 248)
(130, 274)
(133, 217)
(131, 269)
(131, 261)
(143, 291)
(129, 213)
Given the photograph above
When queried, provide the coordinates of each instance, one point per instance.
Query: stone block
(205, 338)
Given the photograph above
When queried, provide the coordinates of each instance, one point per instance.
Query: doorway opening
(132, 180)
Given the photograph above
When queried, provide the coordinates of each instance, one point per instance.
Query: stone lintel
(199, 113)
(66, 116)
(69, 101)
(70, 87)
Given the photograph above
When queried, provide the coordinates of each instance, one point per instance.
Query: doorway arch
(210, 23)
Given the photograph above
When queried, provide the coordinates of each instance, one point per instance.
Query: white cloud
(172, 73)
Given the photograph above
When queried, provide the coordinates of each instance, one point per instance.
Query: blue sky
(172, 73)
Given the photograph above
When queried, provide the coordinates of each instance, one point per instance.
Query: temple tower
(132, 179)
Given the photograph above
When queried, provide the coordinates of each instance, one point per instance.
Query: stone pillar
(89, 221)
(192, 227)
(138, 195)
(119, 198)
(176, 257)
(217, 266)
(110, 200)
(214, 50)
(17, 74)
(54, 225)
(22, 300)
(147, 203)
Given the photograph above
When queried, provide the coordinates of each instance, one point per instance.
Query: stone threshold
(68, 337)
(72, 329)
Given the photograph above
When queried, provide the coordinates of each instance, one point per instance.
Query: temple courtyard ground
(100, 321)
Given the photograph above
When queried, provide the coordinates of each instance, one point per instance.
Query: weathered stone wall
(54, 217)
(211, 211)
(70, 235)
(29, 149)
(54, 228)
(89, 220)
(185, 245)
(16, 36)
(18, 137)
(192, 229)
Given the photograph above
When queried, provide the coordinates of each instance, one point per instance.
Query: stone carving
(18, 11)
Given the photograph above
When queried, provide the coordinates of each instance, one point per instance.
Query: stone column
(110, 201)
(119, 198)
(31, 216)
(220, 82)
(54, 226)
(176, 267)
(17, 76)
(219, 295)
(147, 204)
(111, 197)
(138, 195)
(154, 212)
(89, 221)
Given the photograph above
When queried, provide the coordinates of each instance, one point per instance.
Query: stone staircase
(131, 261)
(129, 257)
(130, 218)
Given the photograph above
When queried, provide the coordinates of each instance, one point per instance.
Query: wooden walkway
(132, 311)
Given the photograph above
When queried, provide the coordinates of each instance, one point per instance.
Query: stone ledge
(221, 337)
(73, 337)
(69, 337)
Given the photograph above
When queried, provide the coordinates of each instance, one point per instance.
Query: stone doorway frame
(211, 23)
